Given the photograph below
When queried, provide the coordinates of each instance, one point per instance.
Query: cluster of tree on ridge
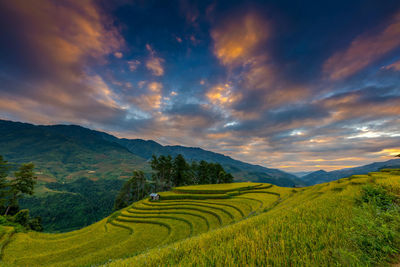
(12, 190)
(168, 173)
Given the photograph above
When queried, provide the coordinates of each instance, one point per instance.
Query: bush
(377, 196)
(36, 224)
(22, 217)
(376, 230)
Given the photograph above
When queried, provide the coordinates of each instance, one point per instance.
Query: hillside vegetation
(322, 176)
(69, 157)
(64, 153)
(349, 222)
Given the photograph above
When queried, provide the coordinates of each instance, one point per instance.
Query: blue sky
(296, 85)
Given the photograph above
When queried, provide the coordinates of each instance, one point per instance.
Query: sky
(294, 85)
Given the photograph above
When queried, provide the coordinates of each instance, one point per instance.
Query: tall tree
(203, 173)
(180, 170)
(168, 173)
(228, 178)
(166, 166)
(217, 173)
(23, 183)
(163, 172)
(133, 190)
(194, 173)
(4, 183)
(156, 177)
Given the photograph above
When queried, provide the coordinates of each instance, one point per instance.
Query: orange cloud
(64, 39)
(150, 100)
(353, 106)
(118, 55)
(154, 63)
(155, 87)
(394, 66)
(69, 32)
(236, 42)
(241, 44)
(222, 95)
(363, 50)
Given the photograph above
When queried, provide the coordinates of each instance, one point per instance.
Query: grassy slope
(305, 226)
(312, 227)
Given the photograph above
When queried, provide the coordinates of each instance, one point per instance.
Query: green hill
(322, 176)
(80, 171)
(67, 152)
(350, 222)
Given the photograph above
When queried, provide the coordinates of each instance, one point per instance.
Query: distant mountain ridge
(301, 174)
(66, 152)
(80, 171)
(243, 170)
(322, 176)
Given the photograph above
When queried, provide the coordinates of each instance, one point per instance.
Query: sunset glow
(286, 86)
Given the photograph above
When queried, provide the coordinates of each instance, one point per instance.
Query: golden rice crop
(293, 227)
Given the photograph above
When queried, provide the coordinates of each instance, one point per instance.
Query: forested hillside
(80, 171)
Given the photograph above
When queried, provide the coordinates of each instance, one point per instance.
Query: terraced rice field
(180, 214)
(236, 224)
(311, 226)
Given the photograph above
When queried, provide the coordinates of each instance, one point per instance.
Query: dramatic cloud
(257, 82)
(151, 99)
(64, 38)
(236, 42)
(241, 44)
(154, 63)
(221, 95)
(364, 50)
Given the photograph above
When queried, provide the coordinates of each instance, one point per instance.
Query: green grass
(341, 223)
(215, 188)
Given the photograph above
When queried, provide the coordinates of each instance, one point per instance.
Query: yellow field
(222, 225)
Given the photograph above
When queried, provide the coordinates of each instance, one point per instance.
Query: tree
(180, 170)
(23, 218)
(133, 190)
(156, 177)
(228, 178)
(168, 173)
(140, 181)
(203, 173)
(217, 173)
(36, 224)
(163, 172)
(23, 183)
(194, 173)
(4, 183)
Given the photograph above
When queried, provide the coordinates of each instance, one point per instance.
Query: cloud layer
(267, 87)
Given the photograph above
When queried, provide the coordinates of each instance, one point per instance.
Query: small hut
(154, 196)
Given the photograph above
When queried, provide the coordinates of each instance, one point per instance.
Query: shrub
(377, 196)
(376, 230)
(22, 217)
(36, 224)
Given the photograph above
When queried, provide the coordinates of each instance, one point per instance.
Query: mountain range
(80, 171)
(67, 152)
(322, 176)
